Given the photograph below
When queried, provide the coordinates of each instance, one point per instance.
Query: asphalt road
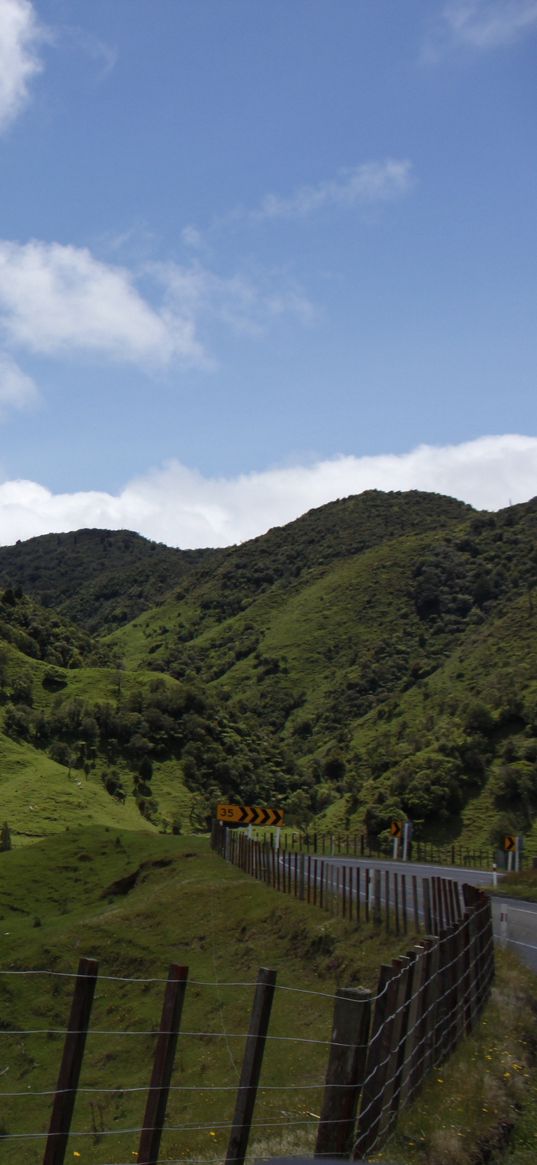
(515, 922)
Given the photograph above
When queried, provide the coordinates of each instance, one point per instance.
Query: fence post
(393, 1068)
(73, 1052)
(251, 1067)
(345, 1072)
(377, 1060)
(415, 904)
(157, 1097)
(427, 913)
(301, 880)
(431, 1029)
(377, 917)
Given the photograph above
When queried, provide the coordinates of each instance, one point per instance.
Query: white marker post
(395, 848)
(407, 834)
(494, 874)
(277, 838)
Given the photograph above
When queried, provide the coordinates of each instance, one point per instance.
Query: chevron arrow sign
(249, 815)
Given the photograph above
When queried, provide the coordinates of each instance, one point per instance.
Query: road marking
(516, 942)
(521, 909)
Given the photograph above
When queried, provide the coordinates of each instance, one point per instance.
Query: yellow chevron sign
(509, 843)
(396, 828)
(249, 815)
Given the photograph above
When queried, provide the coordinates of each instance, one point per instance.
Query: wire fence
(347, 843)
(219, 1085)
(390, 897)
(426, 1001)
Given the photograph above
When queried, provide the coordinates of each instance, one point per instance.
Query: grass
(481, 1106)
(139, 902)
(40, 797)
(67, 897)
(518, 885)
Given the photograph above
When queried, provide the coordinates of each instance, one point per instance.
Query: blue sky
(256, 254)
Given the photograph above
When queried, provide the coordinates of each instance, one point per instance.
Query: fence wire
(432, 999)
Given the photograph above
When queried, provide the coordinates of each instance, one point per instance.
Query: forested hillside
(100, 578)
(378, 656)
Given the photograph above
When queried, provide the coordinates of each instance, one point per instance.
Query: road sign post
(511, 845)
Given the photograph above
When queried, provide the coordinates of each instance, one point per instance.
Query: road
(515, 922)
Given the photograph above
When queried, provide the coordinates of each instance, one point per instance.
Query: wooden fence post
(390, 1095)
(409, 1044)
(251, 1067)
(396, 900)
(377, 917)
(73, 1052)
(157, 1097)
(427, 912)
(345, 1072)
(415, 903)
(377, 1062)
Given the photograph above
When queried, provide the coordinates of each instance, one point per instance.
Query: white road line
(516, 942)
(520, 909)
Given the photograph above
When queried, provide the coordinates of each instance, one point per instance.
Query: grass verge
(517, 885)
(480, 1106)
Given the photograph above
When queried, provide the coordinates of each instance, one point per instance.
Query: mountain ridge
(321, 659)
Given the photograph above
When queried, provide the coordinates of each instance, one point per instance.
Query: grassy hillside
(399, 676)
(138, 903)
(375, 657)
(85, 744)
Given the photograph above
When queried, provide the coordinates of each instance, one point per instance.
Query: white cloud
(56, 298)
(488, 24)
(192, 237)
(100, 52)
(20, 38)
(180, 507)
(17, 390)
(244, 303)
(367, 183)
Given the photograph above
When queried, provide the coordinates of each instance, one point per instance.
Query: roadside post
(407, 837)
(396, 830)
(518, 852)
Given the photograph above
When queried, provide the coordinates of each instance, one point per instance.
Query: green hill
(98, 578)
(376, 656)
